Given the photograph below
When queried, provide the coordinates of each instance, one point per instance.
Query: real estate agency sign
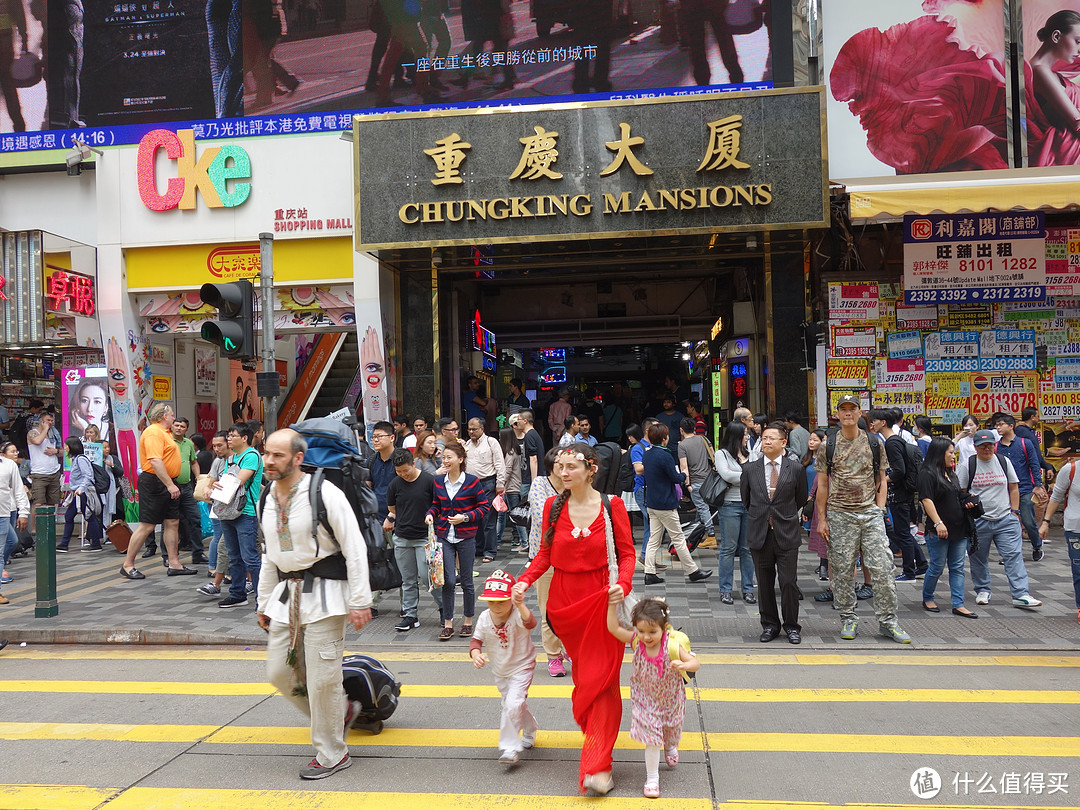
(975, 258)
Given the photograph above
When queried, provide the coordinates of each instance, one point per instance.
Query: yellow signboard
(188, 267)
(162, 387)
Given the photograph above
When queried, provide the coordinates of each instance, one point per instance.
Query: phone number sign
(960, 258)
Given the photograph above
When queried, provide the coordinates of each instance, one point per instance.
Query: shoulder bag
(234, 508)
(714, 488)
(625, 608)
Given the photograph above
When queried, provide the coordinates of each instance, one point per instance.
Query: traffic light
(234, 331)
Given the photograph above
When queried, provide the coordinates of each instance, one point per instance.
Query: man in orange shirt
(159, 495)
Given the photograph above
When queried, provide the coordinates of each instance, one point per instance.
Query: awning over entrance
(1031, 190)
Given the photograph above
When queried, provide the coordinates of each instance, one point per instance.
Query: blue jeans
(1072, 541)
(240, 540)
(223, 28)
(214, 543)
(639, 498)
(512, 499)
(9, 536)
(1010, 545)
(952, 552)
(487, 540)
(704, 513)
(411, 557)
(463, 553)
(1027, 520)
(733, 521)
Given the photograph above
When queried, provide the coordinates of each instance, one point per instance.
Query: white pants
(517, 721)
(324, 642)
(660, 519)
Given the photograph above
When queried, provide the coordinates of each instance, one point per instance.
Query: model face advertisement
(85, 402)
(1051, 70)
(157, 61)
(915, 87)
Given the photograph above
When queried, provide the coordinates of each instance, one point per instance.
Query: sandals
(446, 633)
(488, 559)
(465, 631)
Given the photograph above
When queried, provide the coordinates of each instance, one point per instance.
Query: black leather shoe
(199, 559)
(968, 615)
(134, 573)
(182, 571)
(149, 551)
(653, 579)
(768, 634)
(700, 574)
(793, 636)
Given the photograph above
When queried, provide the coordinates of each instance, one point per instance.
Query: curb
(128, 636)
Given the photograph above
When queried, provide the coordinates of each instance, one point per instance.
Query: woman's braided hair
(589, 457)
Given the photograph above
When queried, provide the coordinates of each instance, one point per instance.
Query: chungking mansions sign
(703, 163)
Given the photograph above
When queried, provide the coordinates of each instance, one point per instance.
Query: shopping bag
(433, 553)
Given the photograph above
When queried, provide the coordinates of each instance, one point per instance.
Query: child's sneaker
(652, 789)
(672, 757)
(530, 741)
(509, 757)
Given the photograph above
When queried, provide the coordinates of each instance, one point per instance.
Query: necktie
(774, 476)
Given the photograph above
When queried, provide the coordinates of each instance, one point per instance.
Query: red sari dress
(577, 612)
(1050, 142)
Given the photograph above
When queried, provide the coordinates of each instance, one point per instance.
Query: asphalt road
(154, 728)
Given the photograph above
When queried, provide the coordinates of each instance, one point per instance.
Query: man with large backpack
(851, 493)
(903, 475)
(321, 582)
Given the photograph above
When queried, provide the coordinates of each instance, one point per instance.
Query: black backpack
(830, 452)
(616, 473)
(368, 681)
(101, 479)
(913, 460)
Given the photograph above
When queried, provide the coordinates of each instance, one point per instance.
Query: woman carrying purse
(947, 528)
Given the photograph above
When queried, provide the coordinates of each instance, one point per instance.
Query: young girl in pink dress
(657, 690)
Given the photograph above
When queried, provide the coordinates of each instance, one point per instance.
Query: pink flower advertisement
(916, 87)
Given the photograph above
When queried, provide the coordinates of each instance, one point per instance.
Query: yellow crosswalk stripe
(563, 691)
(899, 658)
(427, 738)
(78, 797)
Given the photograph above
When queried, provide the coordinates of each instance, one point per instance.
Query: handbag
(744, 16)
(433, 553)
(625, 608)
(202, 488)
(519, 515)
(713, 489)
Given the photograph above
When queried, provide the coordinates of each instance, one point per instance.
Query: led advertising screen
(108, 71)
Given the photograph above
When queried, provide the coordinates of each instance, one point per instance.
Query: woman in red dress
(574, 543)
(1053, 99)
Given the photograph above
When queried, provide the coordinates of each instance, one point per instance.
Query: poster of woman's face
(915, 87)
(85, 401)
(1051, 75)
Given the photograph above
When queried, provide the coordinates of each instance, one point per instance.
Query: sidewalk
(97, 606)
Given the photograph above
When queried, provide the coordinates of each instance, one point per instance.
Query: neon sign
(556, 375)
(68, 293)
(483, 340)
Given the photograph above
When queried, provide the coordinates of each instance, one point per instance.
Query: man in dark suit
(773, 489)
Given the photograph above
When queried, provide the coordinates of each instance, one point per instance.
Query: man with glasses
(447, 431)
(484, 459)
(241, 533)
(382, 473)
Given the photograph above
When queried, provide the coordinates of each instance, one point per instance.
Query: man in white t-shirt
(45, 464)
(992, 478)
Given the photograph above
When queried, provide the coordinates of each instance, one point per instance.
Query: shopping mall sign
(693, 164)
(208, 171)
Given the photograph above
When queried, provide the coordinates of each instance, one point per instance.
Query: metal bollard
(45, 556)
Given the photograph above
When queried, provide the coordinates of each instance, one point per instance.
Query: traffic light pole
(266, 297)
